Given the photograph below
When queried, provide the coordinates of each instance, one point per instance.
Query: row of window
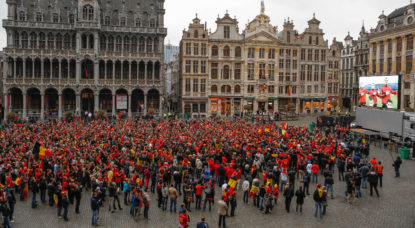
(399, 42)
(347, 63)
(127, 44)
(55, 18)
(288, 64)
(319, 55)
(42, 41)
(307, 70)
(333, 64)
(195, 85)
(398, 65)
(198, 49)
(196, 68)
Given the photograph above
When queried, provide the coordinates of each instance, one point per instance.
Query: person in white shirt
(245, 189)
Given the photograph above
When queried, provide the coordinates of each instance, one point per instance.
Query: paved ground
(394, 208)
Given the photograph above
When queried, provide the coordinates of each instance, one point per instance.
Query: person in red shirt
(184, 217)
(315, 169)
(373, 162)
(198, 193)
(379, 171)
(385, 94)
(362, 96)
(373, 96)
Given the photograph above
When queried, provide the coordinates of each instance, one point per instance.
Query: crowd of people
(123, 164)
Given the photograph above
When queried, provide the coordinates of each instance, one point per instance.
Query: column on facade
(312, 106)
(129, 71)
(113, 72)
(276, 105)
(24, 68)
(15, 67)
(33, 68)
(24, 105)
(113, 103)
(60, 105)
(129, 104)
(394, 49)
(297, 104)
(42, 105)
(161, 106)
(78, 103)
(145, 103)
(377, 57)
(96, 102)
(145, 72)
(105, 70)
(122, 70)
(60, 69)
(78, 71)
(96, 72)
(385, 57)
(403, 62)
(42, 68)
(51, 69)
(255, 108)
(6, 105)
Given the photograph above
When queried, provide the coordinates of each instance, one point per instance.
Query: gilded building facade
(260, 70)
(83, 56)
(391, 50)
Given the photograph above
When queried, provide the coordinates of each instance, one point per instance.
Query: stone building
(258, 70)
(349, 80)
(83, 55)
(392, 50)
(334, 74)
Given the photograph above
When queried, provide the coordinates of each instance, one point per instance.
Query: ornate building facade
(349, 80)
(83, 55)
(392, 50)
(258, 70)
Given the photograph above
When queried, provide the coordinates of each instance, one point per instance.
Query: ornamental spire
(262, 7)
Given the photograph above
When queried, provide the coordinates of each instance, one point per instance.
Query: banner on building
(122, 102)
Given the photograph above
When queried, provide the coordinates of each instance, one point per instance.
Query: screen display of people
(379, 91)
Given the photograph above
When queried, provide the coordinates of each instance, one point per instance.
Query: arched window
(107, 20)
(110, 43)
(214, 89)
(51, 41)
(33, 40)
(59, 41)
(226, 72)
(123, 22)
(88, 13)
(215, 50)
(152, 23)
(237, 89)
(22, 16)
(91, 41)
(126, 44)
(196, 34)
(103, 43)
(226, 51)
(24, 40)
(42, 40)
(134, 44)
(149, 45)
(16, 40)
(67, 41)
(118, 43)
(137, 22)
(238, 52)
(142, 44)
(310, 40)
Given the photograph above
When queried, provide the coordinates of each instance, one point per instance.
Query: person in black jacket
(397, 164)
(318, 199)
(300, 199)
(95, 209)
(51, 191)
(35, 190)
(77, 195)
(288, 193)
(373, 182)
(65, 204)
(43, 187)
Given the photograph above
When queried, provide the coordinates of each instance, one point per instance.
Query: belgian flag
(38, 151)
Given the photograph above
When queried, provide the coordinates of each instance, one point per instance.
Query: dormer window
(71, 18)
(55, 18)
(39, 17)
(107, 20)
(88, 13)
(123, 22)
(152, 23)
(22, 16)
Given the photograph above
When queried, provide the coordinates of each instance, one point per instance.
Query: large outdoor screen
(379, 91)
